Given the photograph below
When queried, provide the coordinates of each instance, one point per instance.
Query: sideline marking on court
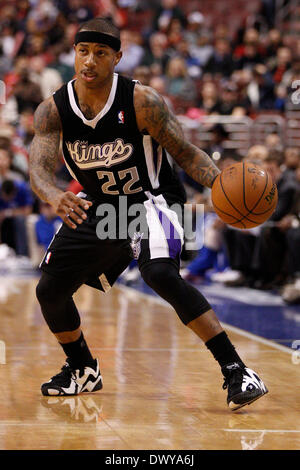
(75, 425)
(234, 329)
(261, 430)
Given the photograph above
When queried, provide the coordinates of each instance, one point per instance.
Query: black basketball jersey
(108, 155)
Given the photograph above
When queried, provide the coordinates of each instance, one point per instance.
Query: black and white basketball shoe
(243, 385)
(70, 381)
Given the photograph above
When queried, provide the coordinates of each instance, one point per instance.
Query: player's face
(95, 63)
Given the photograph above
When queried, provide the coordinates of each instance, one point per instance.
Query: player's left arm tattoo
(153, 116)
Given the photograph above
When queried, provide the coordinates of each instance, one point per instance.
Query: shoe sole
(98, 387)
(238, 406)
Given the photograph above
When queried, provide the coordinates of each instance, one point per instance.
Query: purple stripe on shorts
(172, 236)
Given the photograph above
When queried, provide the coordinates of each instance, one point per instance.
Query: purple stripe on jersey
(172, 236)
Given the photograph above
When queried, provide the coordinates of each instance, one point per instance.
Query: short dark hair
(101, 25)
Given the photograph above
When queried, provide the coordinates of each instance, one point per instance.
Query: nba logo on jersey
(48, 257)
(121, 117)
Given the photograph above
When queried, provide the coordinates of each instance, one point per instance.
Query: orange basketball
(244, 195)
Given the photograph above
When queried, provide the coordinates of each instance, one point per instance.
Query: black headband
(101, 38)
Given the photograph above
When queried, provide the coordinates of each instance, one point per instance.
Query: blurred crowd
(202, 69)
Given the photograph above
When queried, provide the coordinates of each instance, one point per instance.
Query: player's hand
(71, 208)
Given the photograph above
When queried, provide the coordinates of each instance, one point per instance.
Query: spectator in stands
(156, 52)
(46, 225)
(290, 224)
(8, 27)
(249, 59)
(47, 78)
(274, 42)
(240, 247)
(293, 73)
(271, 247)
(280, 98)
(132, 54)
(192, 63)
(15, 204)
(16, 149)
(267, 11)
(77, 11)
(274, 142)
(25, 130)
(65, 71)
(257, 153)
(66, 53)
(209, 100)
(202, 50)
(5, 63)
(42, 18)
(6, 171)
(261, 89)
(119, 10)
(251, 40)
(229, 98)
(179, 84)
(142, 74)
(221, 61)
(211, 256)
(167, 11)
(257, 256)
(282, 65)
(159, 84)
(292, 159)
(195, 27)
(35, 45)
(27, 93)
(218, 136)
(174, 33)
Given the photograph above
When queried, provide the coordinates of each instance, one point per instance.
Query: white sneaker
(227, 275)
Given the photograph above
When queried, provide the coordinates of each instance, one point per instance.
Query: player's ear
(118, 57)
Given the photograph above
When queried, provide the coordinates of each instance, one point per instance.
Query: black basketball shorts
(81, 255)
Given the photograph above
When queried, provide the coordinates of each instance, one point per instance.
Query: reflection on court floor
(162, 389)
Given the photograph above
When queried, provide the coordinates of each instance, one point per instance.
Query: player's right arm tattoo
(44, 151)
(154, 117)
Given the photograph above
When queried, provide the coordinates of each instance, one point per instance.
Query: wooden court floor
(162, 389)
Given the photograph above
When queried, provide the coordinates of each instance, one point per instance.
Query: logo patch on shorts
(47, 259)
(136, 244)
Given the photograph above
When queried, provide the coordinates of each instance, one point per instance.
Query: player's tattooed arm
(43, 159)
(44, 151)
(154, 117)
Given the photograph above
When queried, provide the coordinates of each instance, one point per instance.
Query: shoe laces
(233, 377)
(66, 374)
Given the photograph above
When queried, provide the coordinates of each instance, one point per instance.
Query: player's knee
(47, 290)
(165, 280)
(57, 306)
(159, 275)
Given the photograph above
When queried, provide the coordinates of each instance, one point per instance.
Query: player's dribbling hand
(71, 208)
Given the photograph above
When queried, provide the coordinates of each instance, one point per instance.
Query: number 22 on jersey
(110, 181)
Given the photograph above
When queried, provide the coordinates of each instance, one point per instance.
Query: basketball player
(115, 134)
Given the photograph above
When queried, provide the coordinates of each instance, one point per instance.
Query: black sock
(223, 350)
(78, 353)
